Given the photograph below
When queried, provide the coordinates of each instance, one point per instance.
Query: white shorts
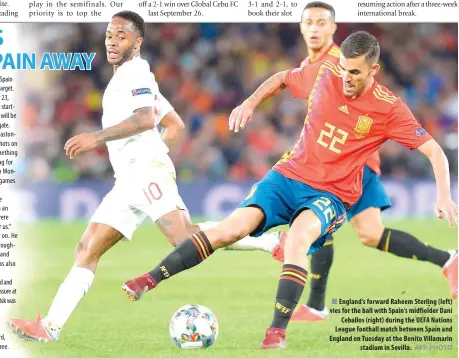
(151, 193)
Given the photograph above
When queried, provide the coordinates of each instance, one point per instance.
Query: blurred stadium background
(205, 70)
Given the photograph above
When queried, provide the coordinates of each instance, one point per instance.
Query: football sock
(248, 243)
(207, 225)
(188, 254)
(405, 245)
(71, 291)
(266, 242)
(289, 290)
(321, 263)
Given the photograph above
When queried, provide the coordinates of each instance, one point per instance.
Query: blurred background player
(312, 184)
(317, 27)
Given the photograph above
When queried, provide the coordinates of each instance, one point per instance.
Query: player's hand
(447, 209)
(81, 143)
(241, 116)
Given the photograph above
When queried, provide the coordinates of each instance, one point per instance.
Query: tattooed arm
(272, 86)
(140, 121)
(243, 114)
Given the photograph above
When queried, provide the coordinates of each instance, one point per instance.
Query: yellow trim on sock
(386, 247)
(203, 249)
(290, 273)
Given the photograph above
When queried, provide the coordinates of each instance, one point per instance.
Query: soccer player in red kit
(317, 27)
(313, 184)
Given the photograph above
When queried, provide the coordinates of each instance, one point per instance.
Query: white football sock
(266, 242)
(208, 225)
(71, 291)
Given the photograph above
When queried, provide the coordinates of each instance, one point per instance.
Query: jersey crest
(363, 126)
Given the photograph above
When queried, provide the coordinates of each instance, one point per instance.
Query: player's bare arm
(242, 115)
(173, 129)
(141, 120)
(445, 207)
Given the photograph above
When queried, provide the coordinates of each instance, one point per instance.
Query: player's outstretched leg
(96, 240)
(196, 249)
(177, 226)
(305, 229)
(372, 233)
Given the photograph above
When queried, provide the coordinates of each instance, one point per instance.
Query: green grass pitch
(239, 287)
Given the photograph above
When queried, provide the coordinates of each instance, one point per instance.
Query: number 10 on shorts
(324, 204)
(153, 192)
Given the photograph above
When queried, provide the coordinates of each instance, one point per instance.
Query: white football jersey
(133, 86)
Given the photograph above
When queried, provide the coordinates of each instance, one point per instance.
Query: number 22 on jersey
(337, 137)
(324, 204)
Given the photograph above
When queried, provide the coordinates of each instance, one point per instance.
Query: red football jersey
(340, 133)
(332, 55)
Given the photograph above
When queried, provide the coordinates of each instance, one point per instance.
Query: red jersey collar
(308, 59)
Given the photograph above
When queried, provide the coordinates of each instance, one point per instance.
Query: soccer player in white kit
(145, 175)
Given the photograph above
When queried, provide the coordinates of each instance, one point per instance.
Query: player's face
(121, 41)
(317, 27)
(357, 75)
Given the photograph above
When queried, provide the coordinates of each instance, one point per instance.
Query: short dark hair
(136, 19)
(321, 5)
(361, 43)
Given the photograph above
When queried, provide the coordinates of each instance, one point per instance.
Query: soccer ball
(193, 326)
